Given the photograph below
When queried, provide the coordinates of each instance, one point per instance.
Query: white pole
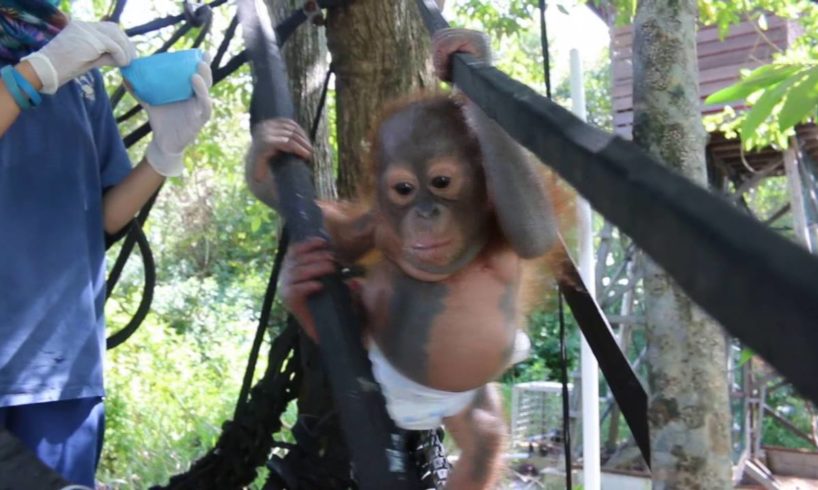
(589, 368)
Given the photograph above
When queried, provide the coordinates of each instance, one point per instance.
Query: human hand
(275, 136)
(446, 42)
(304, 265)
(78, 48)
(176, 125)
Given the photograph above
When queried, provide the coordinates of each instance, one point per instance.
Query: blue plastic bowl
(163, 78)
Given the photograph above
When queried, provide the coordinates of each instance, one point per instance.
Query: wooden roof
(720, 62)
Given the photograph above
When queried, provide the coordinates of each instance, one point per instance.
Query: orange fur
(540, 274)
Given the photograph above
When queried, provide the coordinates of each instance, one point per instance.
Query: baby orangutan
(455, 207)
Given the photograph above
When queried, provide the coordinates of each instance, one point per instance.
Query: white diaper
(416, 407)
(522, 348)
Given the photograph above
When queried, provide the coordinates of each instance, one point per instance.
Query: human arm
(122, 201)
(480, 433)
(516, 186)
(9, 110)
(175, 126)
(78, 48)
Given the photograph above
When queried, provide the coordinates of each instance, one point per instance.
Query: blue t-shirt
(55, 162)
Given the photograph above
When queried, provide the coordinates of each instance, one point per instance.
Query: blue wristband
(33, 96)
(7, 73)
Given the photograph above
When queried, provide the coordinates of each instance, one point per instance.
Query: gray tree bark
(689, 410)
(307, 64)
(380, 51)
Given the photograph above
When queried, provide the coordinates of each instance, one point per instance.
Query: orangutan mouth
(427, 246)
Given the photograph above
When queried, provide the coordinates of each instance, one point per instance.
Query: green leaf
(746, 355)
(760, 78)
(801, 100)
(255, 223)
(764, 107)
(562, 9)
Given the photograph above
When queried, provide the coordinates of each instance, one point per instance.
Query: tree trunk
(689, 410)
(380, 51)
(306, 57)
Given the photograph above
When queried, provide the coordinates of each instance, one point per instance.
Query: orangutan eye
(404, 188)
(441, 182)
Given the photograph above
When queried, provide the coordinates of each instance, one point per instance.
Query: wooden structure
(721, 61)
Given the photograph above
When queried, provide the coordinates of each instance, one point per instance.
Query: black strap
(760, 286)
(628, 392)
(378, 453)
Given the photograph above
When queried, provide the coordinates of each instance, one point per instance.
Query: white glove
(77, 49)
(176, 125)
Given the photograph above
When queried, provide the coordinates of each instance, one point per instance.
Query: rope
(228, 36)
(136, 236)
(263, 322)
(115, 11)
(566, 413)
(546, 60)
(163, 22)
(321, 101)
(147, 292)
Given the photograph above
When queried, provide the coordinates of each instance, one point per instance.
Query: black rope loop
(197, 14)
(147, 291)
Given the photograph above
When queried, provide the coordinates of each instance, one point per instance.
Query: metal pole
(591, 478)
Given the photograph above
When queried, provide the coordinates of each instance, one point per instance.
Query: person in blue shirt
(65, 182)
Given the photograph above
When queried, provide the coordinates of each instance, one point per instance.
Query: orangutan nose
(428, 210)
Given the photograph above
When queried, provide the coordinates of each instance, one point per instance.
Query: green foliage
(786, 92)
(544, 362)
(761, 78)
(781, 94)
(786, 403)
(501, 19)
